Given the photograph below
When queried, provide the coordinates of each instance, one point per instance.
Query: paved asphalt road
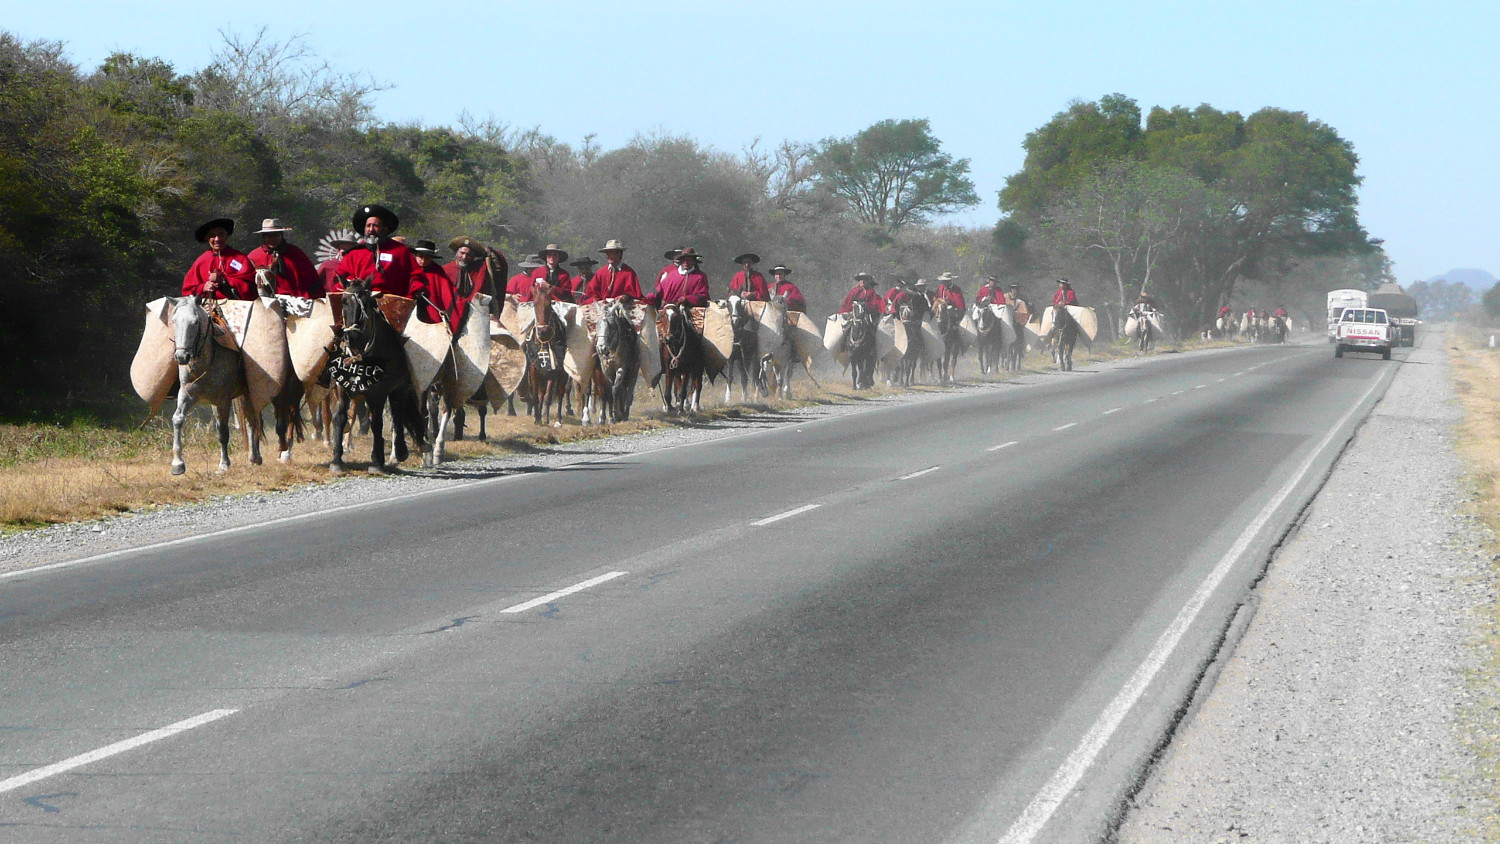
(916, 658)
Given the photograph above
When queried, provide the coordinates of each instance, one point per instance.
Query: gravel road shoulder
(1342, 713)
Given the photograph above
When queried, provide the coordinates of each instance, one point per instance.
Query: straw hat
(271, 225)
(549, 249)
(613, 245)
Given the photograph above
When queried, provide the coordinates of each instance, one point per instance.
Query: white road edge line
(1178, 392)
(1220, 381)
(919, 474)
(1113, 410)
(1002, 445)
(1148, 401)
(1042, 807)
(109, 750)
(1238, 374)
(787, 515)
(1200, 386)
(561, 593)
(1065, 427)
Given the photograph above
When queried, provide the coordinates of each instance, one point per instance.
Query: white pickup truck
(1363, 330)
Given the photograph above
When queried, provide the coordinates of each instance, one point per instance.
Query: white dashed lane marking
(1178, 392)
(1113, 410)
(562, 593)
(787, 515)
(919, 473)
(1002, 445)
(109, 750)
(1065, 427)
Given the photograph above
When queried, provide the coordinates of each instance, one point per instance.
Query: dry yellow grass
(1475, 371)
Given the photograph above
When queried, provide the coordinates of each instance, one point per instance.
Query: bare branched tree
(271, 82)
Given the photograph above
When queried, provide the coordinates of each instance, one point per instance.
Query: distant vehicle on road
(1402, 310)
(1363, 330)
(1338, 300)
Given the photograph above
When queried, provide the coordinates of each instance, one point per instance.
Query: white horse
(208, 373)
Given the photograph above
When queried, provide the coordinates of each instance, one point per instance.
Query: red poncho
(397, 268)
(235, 265)
(867, 295)
(609, 283)
(690, 288)
(297, 277)
(753, 289)
(792, 295)
(1064, 296)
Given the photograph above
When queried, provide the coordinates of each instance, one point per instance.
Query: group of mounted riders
(1256, 325)
(377, 287)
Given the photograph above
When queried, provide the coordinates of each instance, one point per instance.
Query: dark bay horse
(949, 318)
(1065, 337)
(859, 342)
(371, 364)
(681, 361)
(911, 322)
(745, 359)
(546, 376)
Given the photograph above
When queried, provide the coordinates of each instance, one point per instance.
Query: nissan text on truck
(1363, 330)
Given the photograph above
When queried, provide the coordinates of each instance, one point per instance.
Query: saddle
(396, 309)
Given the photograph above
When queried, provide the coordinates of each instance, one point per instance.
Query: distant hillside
(1478, 280)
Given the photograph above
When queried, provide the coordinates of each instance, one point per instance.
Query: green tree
(895, 174)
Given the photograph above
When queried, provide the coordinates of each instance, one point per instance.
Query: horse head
(191, 329)
(360, 313)
(265, 281)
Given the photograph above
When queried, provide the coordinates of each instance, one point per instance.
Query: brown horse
(546, 378)
(681, 362)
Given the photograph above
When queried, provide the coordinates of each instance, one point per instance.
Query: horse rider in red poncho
(614, 279)
(863, 291)
(948, 289)
(222, 272)
(1064, 295)
(685, 284)
(783, 287)
(551, 271)
(386, 262)
(747, 283)
(522, 285)
(294, 271)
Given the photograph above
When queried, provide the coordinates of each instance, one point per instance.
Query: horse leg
(458, 423)
(484, 410)
(439, 439)
(377, 433)
(338, 421)
(222, 414)
(179, 416)
(255, 428)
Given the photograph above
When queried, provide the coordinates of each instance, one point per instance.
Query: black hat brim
(201, 234)
(365, 212)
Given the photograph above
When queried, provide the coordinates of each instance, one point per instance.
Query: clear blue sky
(1412, 85)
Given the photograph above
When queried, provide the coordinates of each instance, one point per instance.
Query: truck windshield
(1358, 315)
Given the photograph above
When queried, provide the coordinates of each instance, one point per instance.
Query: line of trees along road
(104, 175)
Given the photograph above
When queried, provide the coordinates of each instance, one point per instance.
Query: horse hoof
(557, 424)
(335, 468)
(223, 467)
(254, 461)
(428, 463)
(377, 470)
(286, 457)
(179, 468)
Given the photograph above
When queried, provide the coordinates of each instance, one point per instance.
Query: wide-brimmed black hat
(386, 215)
(690, 252)
(1065, 281)
(780, 268)
(425, 247)
(671, 254)
(585, 261)
(748, 256)
(201, 234)
(864, 277)
(531, 262)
